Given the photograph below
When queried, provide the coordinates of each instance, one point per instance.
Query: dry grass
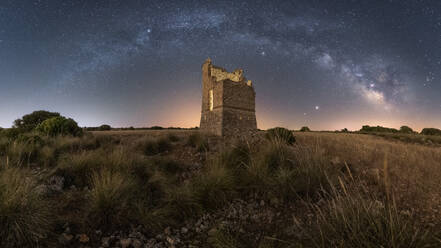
(159, 178)
(25, 216)
(414, 170)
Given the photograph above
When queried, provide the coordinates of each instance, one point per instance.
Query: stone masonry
(228, 102)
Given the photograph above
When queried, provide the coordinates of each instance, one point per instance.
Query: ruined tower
(228, 102)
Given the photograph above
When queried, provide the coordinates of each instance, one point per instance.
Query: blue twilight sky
(325, 64)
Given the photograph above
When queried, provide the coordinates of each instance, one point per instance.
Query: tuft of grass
(198, 141)
(167, 165)
(215, 186)
(150, 146)
(280, 134)
(219, 238)
(24, 151)
(78, 168)
(173, 137)
(238, 156)
(109, 198)
(351, 216)
(181, 202)
(153, 219)
(25, 216)
(275, 154)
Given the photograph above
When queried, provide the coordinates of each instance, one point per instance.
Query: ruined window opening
(211, 100)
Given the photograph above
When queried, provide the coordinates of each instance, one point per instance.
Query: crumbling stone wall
(233, 105)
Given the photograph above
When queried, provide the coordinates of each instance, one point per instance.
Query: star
(317, 107)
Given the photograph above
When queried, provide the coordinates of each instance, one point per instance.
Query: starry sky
(325, 64)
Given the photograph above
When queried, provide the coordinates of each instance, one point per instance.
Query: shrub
(281, 133)
(305, 129)
(30, 121)
(378, 129)
(431, 131)
(109, 197)
(30, 138)
(406, 129)
(11, 133)
(25, 217)
(59, 126)
(105, 127)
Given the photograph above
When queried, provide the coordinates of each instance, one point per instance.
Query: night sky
(325, 64)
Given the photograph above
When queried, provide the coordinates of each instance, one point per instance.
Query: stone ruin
(228, 102)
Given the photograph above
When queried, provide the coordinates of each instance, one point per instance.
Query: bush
(431, 131)
(305, 129)
(378, 129)
(30, 121)
(24, 215)
(59, 126)
(11, 133)
(105, 128)
(282, 134)
(406, 129)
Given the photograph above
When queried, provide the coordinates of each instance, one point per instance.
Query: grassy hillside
(187, 189)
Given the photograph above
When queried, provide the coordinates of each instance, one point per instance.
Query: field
(188, 189)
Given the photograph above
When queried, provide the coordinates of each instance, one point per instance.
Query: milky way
(325, 64)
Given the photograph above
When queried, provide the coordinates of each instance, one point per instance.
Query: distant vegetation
(428, 136)
(406, 129)
(305, 129)
(431, 131)
(378, 129)
(108, 128)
